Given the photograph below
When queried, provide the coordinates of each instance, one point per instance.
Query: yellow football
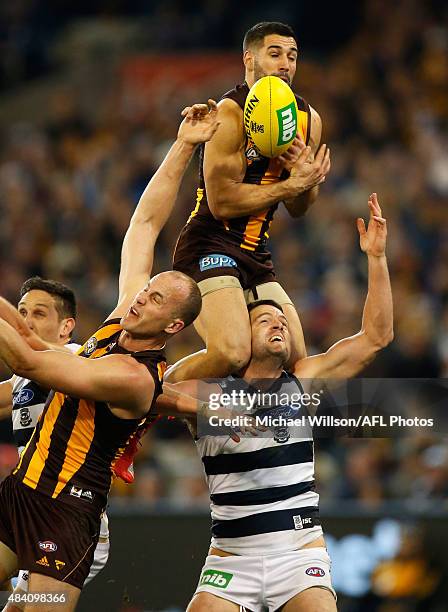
(270, 116)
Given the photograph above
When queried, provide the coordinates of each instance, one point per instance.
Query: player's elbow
(380, 341)
(218, 207)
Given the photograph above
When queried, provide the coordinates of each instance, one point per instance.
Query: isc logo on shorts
(216, 578)
(216, 260)
(302, 523)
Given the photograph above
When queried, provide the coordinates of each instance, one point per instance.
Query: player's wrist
(184, 145)
(376, 256)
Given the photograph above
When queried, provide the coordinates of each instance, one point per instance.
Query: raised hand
(199, 124)
(373, 239)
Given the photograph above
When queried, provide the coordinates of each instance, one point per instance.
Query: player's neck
(250, 80)
(135, 345)
(266, 368)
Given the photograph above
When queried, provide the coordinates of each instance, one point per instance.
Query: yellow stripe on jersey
(161, 369)
(40, 455)
(78, 444)
(252, 232)
(302, 124)
(199, 196)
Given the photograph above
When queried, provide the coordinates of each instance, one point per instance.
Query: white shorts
(266, 583)
(99, 559)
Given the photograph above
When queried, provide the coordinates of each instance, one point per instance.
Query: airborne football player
(223, 244)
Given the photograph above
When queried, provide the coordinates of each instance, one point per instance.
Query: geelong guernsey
(262, 489)
(28, 402)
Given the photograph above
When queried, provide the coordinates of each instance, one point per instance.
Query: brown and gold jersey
(250, 231)
(76, 441)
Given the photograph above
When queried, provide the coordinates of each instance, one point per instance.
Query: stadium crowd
(68, 188)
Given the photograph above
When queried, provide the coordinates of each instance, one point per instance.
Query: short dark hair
(189, 309)
(64, 297)
(257, 303)
(255, 36)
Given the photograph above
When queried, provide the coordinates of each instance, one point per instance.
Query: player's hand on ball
(291, 155)
(373, 239)
(306, 174)
(199, 124)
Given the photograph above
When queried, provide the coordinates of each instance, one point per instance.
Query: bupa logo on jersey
(216, 260)
(48, 546)
(24, 396)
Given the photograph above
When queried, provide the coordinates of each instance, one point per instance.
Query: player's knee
(231, 357)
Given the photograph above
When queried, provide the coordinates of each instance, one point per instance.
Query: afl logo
(91, 345)
(252, 154)
(317, 572)
(23, 396)
(48, 546)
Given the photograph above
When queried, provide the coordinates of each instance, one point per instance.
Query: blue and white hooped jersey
(262, 489)
(28, 402)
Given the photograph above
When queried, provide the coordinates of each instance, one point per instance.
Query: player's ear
(67, 326)
(174, 327)
(248, 60)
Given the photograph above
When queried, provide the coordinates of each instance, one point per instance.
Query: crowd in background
(68, 187)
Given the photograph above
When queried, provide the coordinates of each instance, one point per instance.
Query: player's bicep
(344, 359)
(224, 162)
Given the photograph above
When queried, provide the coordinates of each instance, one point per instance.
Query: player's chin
(127, 323)
(280, 349)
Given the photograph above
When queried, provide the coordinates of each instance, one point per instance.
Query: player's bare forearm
(231, 199)
(299, 206)
(377, 320)
(173, 402)
(151, 214)
(115, 378)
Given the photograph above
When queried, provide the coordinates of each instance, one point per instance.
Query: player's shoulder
(237, 94)
(101, 338)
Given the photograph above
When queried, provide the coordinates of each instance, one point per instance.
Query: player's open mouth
(276, 338)
(133, 311)
(284, 78)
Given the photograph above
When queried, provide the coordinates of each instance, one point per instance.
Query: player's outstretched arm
(225, 166)
(117, 379)
(349, 356)
(157, 201)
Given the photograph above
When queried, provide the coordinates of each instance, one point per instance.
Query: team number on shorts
(216, 261)
(216, 578)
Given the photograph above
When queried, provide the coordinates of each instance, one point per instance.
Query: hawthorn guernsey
(270, 116)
